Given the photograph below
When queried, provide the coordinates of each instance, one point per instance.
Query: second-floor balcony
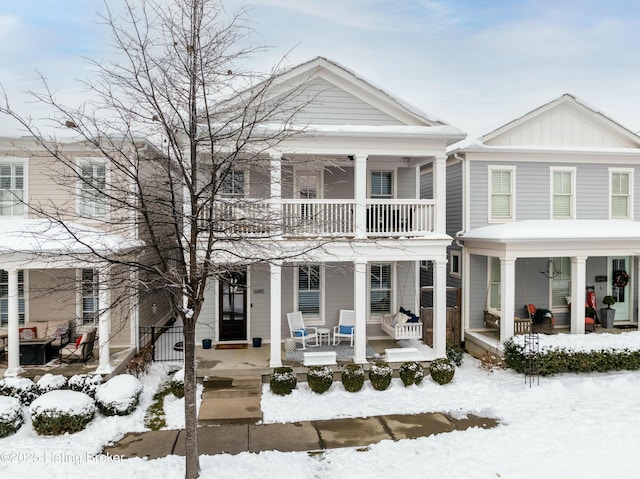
(299, 218)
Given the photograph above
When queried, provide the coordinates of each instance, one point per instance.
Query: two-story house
(547, 207)
(350, 184)
(53, 230)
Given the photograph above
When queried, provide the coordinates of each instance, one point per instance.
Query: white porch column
(578, 288)
(275, 322)
(13, 363)
(440, 192)
(440, 307)
(360, 194)
(360, 306)
(507, 296)
(104, 322)
(275, 177)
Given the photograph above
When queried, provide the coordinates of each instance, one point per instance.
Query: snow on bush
(51, 382)
(10, 415)
(23, 389)
(85, 383)
(60, 412)
(119, 395)
(177, 384)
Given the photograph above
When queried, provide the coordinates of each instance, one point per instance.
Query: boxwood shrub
(442, 370)
(85, 383)
(558, 359)
(119, 396)
(59, 412)
(411, 372)
(177, 384)
(380, 375)
(319, 378)
(51, 382)
(283, 380)
(352, 378)
(23, 389)
(10, 415)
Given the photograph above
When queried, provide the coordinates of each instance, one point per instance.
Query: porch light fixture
(551, 272)
(351, 157)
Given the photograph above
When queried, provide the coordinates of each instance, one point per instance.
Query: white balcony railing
(300, 218)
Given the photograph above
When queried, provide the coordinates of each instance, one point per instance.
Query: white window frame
(20, 203)
(512, 199)
(375, 317)
(306, 171)
(95, 296)
(630, 195)
(571, 195)
(81, 206)
(560, 268)
(310, 320)
(492, 284)
(22, 299)
(245, 184)
(455, 263)
(394, 176)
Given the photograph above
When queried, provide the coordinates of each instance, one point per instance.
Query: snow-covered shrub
(23, 389)
(353, 378)
(51, 382)
(411, 372)
(455, 354)
(10, 415)
(85, 383)
(177, 384)
(60, 412)
(319, 378)
(380, 375)
(119, 395)
(442, 370)
(283, 380)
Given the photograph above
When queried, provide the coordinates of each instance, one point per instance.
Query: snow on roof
(550, 230)
(44, 236)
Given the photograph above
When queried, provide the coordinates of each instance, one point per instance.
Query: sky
(476, 64)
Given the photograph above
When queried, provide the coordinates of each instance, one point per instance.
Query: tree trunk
(190, 411)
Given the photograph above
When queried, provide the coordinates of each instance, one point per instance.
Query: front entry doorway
(621, 294)
(233, 306)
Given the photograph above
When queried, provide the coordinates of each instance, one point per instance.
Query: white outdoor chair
(346, 326)
(300, 332)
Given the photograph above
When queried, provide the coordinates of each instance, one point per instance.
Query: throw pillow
(300, 332)
(28, 333)
(346, 329)
(401, 318)
(78, 341)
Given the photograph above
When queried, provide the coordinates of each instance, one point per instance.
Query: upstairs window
(93, 177)
(621, 194)
(4, 297)
(380, 289)
(494, 283)
(381, 184)
(563, 187)
(11, 189)
(501, 194)
(309, 291)
(233, 184)
(90, 292)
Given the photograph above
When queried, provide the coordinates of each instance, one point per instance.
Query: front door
(621, 294)
(233, 306)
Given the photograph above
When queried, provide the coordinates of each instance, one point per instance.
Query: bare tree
(176, 61)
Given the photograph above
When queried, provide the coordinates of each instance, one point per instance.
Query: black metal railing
(166, 342)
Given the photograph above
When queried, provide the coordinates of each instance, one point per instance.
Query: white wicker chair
(300, 332)
(346, 326)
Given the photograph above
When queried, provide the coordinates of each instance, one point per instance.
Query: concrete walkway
(299, 436)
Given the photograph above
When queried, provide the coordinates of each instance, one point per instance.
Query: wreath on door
(620, 278)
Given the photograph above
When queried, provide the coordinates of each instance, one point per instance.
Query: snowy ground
(583, 426)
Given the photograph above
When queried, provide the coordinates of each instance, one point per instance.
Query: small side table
(324, 334)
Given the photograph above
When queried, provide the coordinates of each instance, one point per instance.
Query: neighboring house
(350, 183)
(47, 273)
(549, 207)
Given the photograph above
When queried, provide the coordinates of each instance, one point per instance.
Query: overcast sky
(476, 64)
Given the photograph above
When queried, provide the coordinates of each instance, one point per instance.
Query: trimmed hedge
(411, 372)
(442, 370)
(119, 396)
(85, 383)
(319, 378)
(353, 378)
(380, 375)
(556, 360)
(23, 389)
(10, 416)
(60, 412)
(177, 384)
(283, 380)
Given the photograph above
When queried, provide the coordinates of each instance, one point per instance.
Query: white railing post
(360, 195)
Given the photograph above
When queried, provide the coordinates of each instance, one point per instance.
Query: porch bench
(320, 358)
(520, 325)
(57, 330)
(400, 355)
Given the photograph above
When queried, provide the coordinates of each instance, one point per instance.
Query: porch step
(231, 400)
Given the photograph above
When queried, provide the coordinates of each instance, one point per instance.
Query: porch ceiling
(42, 243)
(535, 238)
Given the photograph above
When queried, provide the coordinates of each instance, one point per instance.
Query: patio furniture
(320, 358)
(400, 355)
(398, 327)
(35, 351)
(542, 320)
(82, 350)
(345, 327)
(300, 332)
(324, 334)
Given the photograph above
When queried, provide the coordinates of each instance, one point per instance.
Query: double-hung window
(11, 189)
(233, 184)
(380, 287)
(90, 296)
(494, 283)
(621, 181)
(310, 291)
(381, 184)
(93, 176)
(560, 269)
(4, 297)
(563, 191)
(501, 193)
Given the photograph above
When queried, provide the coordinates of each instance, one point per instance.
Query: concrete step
(233, 392)
(233, 410)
